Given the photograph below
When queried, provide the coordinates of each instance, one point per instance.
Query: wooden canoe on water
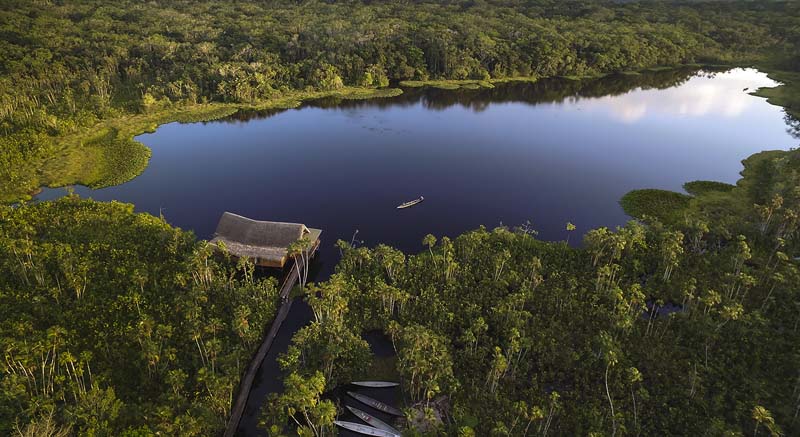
(376, 404)
(410, 203)
(364, 429)
(373, 421)
(375, 384)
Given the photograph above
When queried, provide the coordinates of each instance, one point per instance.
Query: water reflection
(724, 94)
(793, 124)
(550, 90)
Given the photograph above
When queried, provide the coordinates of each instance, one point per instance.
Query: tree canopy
(113, 322)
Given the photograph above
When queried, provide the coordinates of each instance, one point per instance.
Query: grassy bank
(697, 188)
(447, 84)
(787, 94)
(762, 172)
(453, 84)
(106, 154)
(667, 206)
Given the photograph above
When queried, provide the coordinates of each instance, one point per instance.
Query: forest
(685, 321)
(115, 323)
(79, 79)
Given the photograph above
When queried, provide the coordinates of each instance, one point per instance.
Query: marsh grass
(448, 84)
(666, 206)
(696, 188)
(755, 187)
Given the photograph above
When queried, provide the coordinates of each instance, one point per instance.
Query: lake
(548, 153)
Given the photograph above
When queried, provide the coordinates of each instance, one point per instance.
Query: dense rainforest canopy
(66, 66)
(115, 323)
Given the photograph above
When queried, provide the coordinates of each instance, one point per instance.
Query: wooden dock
(247, 380)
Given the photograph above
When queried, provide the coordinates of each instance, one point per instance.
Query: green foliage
(424, 362)
(301, 402)
(666, 206)
(111, 321)
(450, 84)
(697, 188)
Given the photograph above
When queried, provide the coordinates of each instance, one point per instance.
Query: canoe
(373, 421)
(364, 429)
(410, 203)
(375, 384)
(376, 404)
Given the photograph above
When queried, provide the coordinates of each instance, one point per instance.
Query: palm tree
(570, 229)
(300, 251)
(430, 241)
(762, 416)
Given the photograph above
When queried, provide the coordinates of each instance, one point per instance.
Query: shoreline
(107, 153)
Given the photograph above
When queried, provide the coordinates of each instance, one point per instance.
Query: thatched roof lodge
(267, 243)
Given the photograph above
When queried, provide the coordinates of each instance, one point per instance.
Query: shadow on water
(379, 343)
(660, 309)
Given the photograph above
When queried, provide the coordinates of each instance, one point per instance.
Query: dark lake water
(550, 152)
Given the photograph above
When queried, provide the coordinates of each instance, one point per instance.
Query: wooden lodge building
(267, 243)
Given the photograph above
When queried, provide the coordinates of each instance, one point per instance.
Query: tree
(570, 228)
(762, 416)
(610, 356)
(301, 403)
(425, 362)
(300, 251)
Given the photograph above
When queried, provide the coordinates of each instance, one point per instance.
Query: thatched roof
(267, 242)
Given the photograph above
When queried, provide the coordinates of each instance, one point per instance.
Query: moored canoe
(364, 429)
(373, 421)
(375, 384)
(376, 404)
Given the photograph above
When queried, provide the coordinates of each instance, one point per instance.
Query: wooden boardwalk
(247, 380)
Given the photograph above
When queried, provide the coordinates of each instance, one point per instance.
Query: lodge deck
(267, 243)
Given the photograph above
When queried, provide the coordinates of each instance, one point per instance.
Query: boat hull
(376, 404)
(364, 429)
(373, 421)
(411, 203)
(375, 384)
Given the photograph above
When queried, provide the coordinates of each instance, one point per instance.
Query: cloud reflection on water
(700, 96)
